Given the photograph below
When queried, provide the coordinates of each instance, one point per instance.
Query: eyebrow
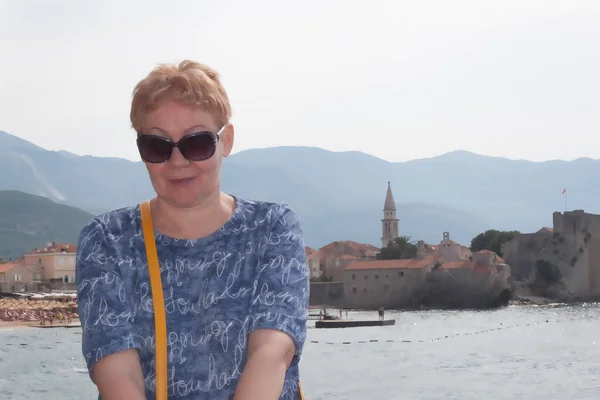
(195, 127)
(188, 130)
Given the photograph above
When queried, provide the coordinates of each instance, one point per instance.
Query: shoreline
(519, 301)
(547, 301)
(10, 325)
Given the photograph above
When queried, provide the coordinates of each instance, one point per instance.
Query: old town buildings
(437, 271)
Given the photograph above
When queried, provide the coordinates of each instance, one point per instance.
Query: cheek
(208, 167)
(155, 171)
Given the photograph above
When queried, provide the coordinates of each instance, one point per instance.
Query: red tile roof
(484, 251)
(55, 248)
(329, 246)
(392, 264)
(311, 254)
(463, 264)
(7, 267)
(352, 244)
(361, 246)
(346, 247)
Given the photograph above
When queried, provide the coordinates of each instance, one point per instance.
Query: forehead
(175, 120)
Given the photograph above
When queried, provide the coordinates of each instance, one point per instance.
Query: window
(17, 278)
(365, 290)
(353, 276)
(386, 287)
(61, 261)
(71, 260)
(376, 276)
(366, 277)
(353, 290)
(400, 273)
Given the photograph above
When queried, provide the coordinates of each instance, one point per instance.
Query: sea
(517, 352)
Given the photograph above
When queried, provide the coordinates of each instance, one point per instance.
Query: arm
(279, 311)
(109, 340)
(119, 376)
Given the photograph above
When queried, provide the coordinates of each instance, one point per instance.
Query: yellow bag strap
(160, 319)
(158, 301)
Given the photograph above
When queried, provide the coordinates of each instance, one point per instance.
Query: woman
(233, 271)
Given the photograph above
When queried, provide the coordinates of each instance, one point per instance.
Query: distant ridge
(338, 195)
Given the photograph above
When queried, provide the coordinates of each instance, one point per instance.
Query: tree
(399, 249)
(492, 240)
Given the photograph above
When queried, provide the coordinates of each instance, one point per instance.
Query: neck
(190, 223)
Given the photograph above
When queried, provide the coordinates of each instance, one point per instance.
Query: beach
(38, 310)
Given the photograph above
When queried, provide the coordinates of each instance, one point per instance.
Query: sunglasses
(197, 146)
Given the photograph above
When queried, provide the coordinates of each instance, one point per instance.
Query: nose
(177, 159)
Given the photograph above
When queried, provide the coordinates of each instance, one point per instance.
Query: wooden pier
(353, 323)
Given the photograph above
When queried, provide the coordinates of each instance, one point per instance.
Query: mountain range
(28, 221)
(338, 195)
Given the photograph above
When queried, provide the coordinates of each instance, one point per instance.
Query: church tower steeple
(389, 223)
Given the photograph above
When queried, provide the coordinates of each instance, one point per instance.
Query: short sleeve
(104, 299)
(281, 289)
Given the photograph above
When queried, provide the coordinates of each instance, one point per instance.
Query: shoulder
(109, 228)
(277, 229)
(266, 215)
(120, 220)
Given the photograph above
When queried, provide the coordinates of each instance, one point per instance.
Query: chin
(180, 201)
(186, 194)
(183, 197)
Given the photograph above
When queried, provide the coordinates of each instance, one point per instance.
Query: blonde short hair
(190, 83)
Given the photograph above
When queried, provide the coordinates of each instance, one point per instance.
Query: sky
(399, 79)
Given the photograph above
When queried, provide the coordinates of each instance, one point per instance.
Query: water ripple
(512, 353)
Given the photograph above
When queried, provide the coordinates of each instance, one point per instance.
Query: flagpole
(566, 194)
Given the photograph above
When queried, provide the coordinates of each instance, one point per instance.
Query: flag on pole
(564, 191)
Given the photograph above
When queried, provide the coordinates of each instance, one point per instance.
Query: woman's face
(178, 181)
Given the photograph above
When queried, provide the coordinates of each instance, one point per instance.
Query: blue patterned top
(250, 274)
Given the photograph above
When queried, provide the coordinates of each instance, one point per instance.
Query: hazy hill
(92, 183)
(28, 221)
(504, 193)
(339, 195)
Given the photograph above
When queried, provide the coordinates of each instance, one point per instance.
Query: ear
(227, 138)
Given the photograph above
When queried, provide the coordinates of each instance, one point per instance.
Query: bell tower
(389, 223)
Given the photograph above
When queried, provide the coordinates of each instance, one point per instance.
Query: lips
(182, 181)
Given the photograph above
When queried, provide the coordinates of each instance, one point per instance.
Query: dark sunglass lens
(198, 147)
(154, 149)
